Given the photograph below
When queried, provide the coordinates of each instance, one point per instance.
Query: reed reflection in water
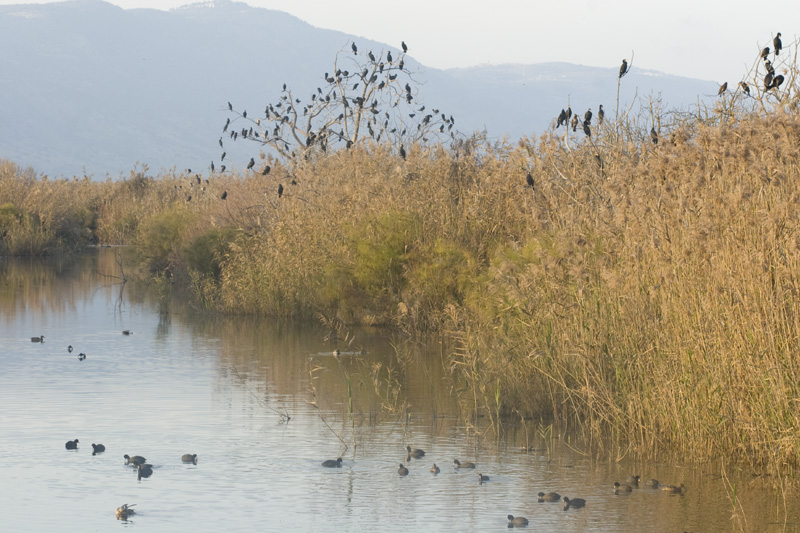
(222, 388)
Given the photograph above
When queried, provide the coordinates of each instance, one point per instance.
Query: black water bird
(575, 123)
(416, 454)
(586, 129)
(403, 45)
(654, 135)
(722, 88)
(587, 117)
(69, 348)
(549, 497)
(230, 107)
(777, 44)
(371, 56)
(223, 156)
(144, 470)
(458, 464)
(98, 448)
(623, 69)
(768, 81)
(126, 332)
(402, 152)
(529, 180)
(622, 488)
(389, 56)
(265, 171)
(482, 479)
(765, 52)
(280, 190)
(355, 48)
(562, 118)
(244, 114)
(82, 356)
(569, 112)
(776, 81)
(136, 460)
(189, 458)
(574, 503)
(330, 463)
(600, 115)
(251, 164)
(38, 339)
(224, 195)
(516, 521)
(745, 88)
(769, 67)
(403, 471)
(71, 444)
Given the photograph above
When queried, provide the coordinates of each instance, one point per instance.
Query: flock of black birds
(771, 80)
(631, 483)
(369, 102)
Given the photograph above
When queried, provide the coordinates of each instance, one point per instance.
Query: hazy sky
(710, 40)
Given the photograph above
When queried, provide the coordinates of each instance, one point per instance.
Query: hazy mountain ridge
(90, 85)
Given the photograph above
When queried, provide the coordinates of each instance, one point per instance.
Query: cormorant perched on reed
(574, 123)
(389, 56)
(529, 180)
(280, 190)
(586, 129)
(600, 115)
(355, 48)
(402, 152)
(265, 171)
(569, 112)
(722, 88)
(765, 52)
(777, 44)
(654, 135)
(371, 56)
(623, 69)
(587, 117)
(769, 67)
(251, 164)
(562, 118)
(776, 81)
(405, 48)
(224, 195)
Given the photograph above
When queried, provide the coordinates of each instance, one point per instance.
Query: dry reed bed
(650, 299)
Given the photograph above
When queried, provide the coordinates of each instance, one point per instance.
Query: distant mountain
(90, 87)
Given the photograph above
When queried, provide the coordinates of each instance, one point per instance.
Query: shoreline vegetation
(646, 293)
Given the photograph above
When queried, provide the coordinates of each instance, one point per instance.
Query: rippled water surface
(263, 403)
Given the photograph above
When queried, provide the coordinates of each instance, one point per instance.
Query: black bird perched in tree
(653, 135)
(529, 180)
(776, 81)
(586, 129)
(223, 156)
(562, 118)
(600, 115)
(251, 164)
(355, 48)
(575, 123)
(569, 112)
(768, 81)
(230, 107)
(212, 166)
(587, 117)
(244, 114)
(623, 69)
(265, 171)
(280, 190)
(405, 48)
(224, 195)
(402, 152)
(389, 56)
(765, 52)
(745, 88)
(371, 56)
(768, 66)
(722, 88)
(777, 44)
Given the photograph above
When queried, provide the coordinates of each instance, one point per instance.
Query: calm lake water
(223, 388)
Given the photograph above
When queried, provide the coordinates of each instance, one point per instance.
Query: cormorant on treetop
(654, 135)
(251, 164)
(623, 69)
(777, 44)
(745, 88)
(587, 117)
(355, 48)
(765, 52)
(562, 118)
(405, 48)
(722, 88)
(600, 114)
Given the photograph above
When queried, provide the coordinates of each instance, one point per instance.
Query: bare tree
(366, 98)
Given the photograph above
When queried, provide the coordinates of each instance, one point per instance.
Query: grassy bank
(646, 292)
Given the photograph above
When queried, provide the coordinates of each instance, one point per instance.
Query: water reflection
(262, 403)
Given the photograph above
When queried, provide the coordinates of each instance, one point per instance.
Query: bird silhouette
(402, 152)
(586, 129)
(600, 114)
(722, 88)
(405, 48)
(265, 171)
(745, 88)
(529, 180)
(355, 48)
(389, 56)
(653, 135)
(371, 56)
(587, 117)
(575, 123)
(765, 52)
(562, 118)
(280, 190)
(777, 44)
(251, 164)
(776, 81)
(224, 195)
(623, 69)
